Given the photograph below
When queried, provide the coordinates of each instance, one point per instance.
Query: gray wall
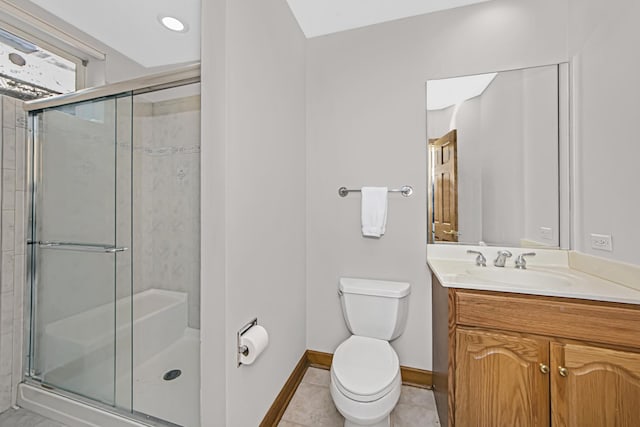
(214, 347)
(502, 179)
(520, 159)
(604, 44)
(540, 133)
(253, 252)
(366, 126)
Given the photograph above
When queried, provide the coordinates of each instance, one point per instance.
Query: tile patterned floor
(312, 405)
(24, 418)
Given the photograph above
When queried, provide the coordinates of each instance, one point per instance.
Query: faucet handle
(481, 261)
(521, 263)
(502, 258)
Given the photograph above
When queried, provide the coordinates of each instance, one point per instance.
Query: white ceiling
(132, 27)
(320, 17)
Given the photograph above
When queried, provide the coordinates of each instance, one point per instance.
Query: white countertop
(547, 274)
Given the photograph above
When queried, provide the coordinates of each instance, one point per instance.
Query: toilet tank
(375, 308)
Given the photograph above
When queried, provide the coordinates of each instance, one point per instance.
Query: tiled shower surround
(13, 270)
(167, 198)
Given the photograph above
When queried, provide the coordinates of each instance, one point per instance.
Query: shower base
(69, 411)
(176, 401)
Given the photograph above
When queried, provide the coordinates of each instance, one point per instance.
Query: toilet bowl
(365, 381)
(365, 372)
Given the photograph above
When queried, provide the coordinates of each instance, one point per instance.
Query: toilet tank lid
(381, 288)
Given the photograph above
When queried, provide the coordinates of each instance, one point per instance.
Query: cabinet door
(501, 380)
(594, 387)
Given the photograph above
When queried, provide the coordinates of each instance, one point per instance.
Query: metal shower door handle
(81, 247)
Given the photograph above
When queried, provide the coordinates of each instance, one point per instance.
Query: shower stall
(114, 252)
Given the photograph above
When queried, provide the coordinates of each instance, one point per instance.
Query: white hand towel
(374, 211)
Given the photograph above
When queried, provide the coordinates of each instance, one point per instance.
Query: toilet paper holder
(242, 349)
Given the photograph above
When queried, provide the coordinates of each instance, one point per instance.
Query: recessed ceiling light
(173, 24)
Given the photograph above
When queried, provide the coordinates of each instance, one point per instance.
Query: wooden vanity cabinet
(601, 386)
(522, 360)
(498, 379)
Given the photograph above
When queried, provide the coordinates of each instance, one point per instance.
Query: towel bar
(405, 190)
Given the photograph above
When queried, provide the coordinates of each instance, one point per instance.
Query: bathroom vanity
(508, 354)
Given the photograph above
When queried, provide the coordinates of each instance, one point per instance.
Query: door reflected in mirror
(493, 143)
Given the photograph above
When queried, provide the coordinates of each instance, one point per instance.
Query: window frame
(81, 64)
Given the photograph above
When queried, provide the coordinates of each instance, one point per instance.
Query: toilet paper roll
(256, 339)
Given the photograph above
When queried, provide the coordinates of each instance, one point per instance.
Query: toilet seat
(365, 369)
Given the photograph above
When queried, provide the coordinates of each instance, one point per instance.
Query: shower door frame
(175, 78)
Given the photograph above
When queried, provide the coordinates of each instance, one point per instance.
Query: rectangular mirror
(498, 159)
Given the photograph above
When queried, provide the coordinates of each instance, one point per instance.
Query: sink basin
(525, 278)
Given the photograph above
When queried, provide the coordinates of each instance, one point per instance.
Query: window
(29, 71)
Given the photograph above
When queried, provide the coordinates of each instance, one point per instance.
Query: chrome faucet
(521, 263)
(481, 261)
(502, 258)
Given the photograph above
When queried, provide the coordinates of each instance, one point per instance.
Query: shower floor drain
(172, 374)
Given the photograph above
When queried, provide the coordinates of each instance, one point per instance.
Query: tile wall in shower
(166, 197)
(13, 225)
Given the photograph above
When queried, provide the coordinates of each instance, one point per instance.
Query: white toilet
(365, 372)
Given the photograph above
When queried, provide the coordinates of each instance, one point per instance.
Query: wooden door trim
(279, 405)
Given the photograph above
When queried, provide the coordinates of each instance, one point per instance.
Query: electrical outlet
(546, 233)
(601, 242)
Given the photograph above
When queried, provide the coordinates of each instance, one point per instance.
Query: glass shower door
(80, 239)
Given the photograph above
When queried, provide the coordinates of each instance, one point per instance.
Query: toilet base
(367, 414)
(384, 423)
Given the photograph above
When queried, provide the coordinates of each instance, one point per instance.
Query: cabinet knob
(544, 368)
(563, 371)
